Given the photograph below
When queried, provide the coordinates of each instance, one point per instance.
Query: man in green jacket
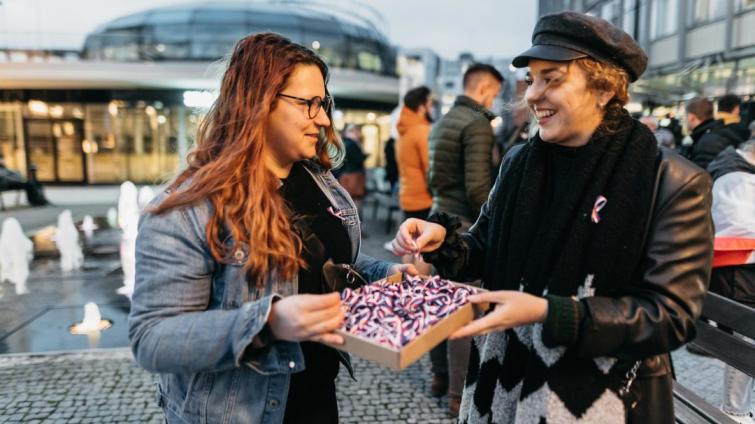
(461, 149)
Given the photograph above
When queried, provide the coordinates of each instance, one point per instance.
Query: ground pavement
(83, 385)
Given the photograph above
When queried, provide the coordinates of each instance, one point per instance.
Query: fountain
(128, 203)
(128, 220)
(67, 240)
(112, 217)
(91, 325)
(16, 251)
(88, 226)
(128, 256)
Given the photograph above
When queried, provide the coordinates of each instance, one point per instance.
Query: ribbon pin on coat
(600, 203)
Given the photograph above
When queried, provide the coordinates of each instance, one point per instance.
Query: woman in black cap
(595, 245)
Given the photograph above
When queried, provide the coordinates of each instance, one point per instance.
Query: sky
(486, 28)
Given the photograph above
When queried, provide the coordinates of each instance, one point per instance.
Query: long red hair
(227, 165)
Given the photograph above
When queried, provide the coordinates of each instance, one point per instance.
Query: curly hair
(603, 76)
(227, 165)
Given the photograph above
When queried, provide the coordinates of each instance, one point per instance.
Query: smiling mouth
(543, 114)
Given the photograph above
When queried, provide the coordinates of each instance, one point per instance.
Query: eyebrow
(550, 70)
(547, 71)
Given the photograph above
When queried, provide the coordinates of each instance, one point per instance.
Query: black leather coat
(657, 314)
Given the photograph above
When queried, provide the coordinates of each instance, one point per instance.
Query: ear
(604, 97)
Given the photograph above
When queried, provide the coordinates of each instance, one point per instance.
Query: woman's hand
(512, 309)
(403, 268)
(307, 317)
(415, 236)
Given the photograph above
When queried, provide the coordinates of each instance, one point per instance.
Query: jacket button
(292, 364)
(272, 403)
(239, 255)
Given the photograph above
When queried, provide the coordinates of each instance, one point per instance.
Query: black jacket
(657, 315)
(461, 149)
(741, 130)
(711, 140)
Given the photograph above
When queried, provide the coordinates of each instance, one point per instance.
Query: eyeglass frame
(326, 102)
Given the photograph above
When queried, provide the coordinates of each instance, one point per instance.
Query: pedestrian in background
(412, 154)
(352, 174)
(594, 244)
(709, 136)
(230, 297)
(413, 159)
(729, 113)
(461, 147)
(13, 180)
(733, 173)
(663, 136)
(391, 166)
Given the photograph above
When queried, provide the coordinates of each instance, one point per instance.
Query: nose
(534, 93)
(321, 119)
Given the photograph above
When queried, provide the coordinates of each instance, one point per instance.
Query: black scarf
(565, 250)
(557, 252)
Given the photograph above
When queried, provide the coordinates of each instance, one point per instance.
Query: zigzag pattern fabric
(550, 386)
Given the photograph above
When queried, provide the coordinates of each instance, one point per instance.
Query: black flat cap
(571, 35)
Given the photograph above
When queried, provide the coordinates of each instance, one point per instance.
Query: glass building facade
(89, 142)
(77, 132)
(208, 32)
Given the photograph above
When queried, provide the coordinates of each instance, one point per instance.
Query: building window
(610, 11)
(663, 18)
(744, 5)
(629, 18)
(702, 11)
(11, 150)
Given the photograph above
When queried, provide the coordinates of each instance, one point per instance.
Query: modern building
(126, 104)
(695, 47)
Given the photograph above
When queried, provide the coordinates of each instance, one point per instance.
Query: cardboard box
(398, 359)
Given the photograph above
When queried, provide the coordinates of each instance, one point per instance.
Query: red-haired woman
(230, 297)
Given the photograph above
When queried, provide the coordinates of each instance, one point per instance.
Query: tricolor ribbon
(337, 214)
(600, 203)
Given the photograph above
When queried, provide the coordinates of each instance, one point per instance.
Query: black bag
(338, 277)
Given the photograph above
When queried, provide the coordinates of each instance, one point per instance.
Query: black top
(562, 166)
(311, 395)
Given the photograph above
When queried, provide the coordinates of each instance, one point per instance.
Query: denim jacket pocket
(195, 402)
(234, 283)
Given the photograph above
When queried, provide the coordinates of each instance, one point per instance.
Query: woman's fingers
(483, 325)
(498, 296)
(314, 321)
(316, 302)
(398, 249)
(331, 338)
(407, 268)
(430, 238)
(325, 326)
(404, 237)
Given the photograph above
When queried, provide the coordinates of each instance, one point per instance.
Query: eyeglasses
(314, 104)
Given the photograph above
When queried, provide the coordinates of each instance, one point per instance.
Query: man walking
(461, 147)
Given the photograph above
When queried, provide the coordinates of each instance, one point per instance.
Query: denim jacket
(192, 318)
